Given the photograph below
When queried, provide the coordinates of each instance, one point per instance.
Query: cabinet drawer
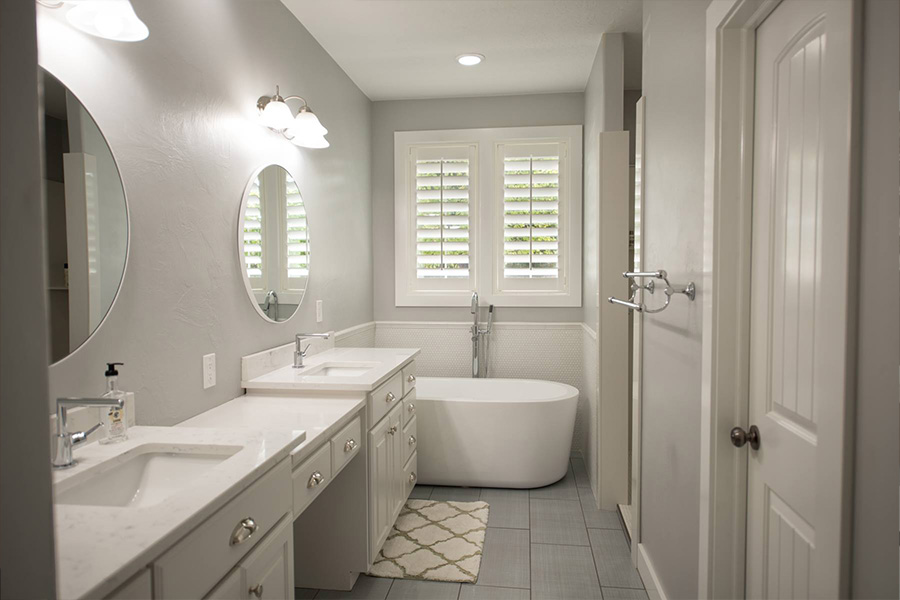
(345, 445)
(311, 477)
(199, 561)
(384, 398)
(409, 406)
(409, 475)
(409, 377)
(409, 441)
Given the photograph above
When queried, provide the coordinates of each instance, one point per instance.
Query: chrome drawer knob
(412, 440)
(411, 379)
(350, 446)
(390, 397)
(392, 430)
(244, 530)
(257, 590)
(411, 408)
(315, 479)
(412, 477)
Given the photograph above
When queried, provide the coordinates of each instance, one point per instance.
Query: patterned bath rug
(435, 541)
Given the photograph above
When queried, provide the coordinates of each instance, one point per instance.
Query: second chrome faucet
(299, 351)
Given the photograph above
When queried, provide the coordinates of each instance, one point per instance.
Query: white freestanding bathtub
(508, 433)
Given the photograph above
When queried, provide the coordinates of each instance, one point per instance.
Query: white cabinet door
(382, 459)
(398, 446)
(270, 568)
(267, 572)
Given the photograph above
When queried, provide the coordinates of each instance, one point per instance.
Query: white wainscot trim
(648, 575)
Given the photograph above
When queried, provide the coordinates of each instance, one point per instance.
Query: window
(496, 211)
(253, 238)
(275, 237)
(442, 216)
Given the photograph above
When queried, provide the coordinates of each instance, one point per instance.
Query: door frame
(725, 355)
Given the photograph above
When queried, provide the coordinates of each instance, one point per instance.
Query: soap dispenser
(114, 423)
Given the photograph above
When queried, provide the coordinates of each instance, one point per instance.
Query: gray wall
(26, 519)
(178, 110)
(455, 113)
(673, 83)
(875, 557)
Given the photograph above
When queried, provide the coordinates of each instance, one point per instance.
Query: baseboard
(648, 575)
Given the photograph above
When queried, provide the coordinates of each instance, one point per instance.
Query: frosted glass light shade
(306, 123)
(109, 19)
(311, 141)
(277, 115)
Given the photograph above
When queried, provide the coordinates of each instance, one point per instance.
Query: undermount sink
(341, 369)
(144, 476)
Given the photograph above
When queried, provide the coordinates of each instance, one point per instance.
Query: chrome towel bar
(688, 290)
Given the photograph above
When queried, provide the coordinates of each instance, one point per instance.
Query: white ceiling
(395, 49)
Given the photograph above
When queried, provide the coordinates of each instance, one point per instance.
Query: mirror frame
(128, 238)
(240, 242)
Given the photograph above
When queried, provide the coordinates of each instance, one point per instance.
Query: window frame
(486, 220)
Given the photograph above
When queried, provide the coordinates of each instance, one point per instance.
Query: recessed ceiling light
(469, 60)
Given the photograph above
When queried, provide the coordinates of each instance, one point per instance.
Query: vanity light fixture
(304, 130)
(469, 60)
(109, 19)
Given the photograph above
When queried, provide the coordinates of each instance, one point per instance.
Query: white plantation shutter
(532, 204)
(497, 211)
(296, 265)
(254, 225)
(443, 217)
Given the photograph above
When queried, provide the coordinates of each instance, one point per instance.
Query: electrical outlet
(209, 371)
(318, 311)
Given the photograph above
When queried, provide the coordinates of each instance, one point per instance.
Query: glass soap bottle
(114, 423)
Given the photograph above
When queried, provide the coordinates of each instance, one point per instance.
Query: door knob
(739, 437)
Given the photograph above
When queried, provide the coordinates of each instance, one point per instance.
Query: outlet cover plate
(209, 371)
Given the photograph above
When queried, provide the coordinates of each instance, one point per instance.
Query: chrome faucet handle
(80, 436)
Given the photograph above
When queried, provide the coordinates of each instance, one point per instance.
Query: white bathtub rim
(566, 391)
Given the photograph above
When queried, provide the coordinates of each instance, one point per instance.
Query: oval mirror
(87, 220)
(273, 243)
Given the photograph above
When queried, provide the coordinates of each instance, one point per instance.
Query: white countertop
(319, 417)
(382, 362)
(100, 547)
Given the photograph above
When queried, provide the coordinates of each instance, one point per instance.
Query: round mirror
(87, 220)
(273, 243)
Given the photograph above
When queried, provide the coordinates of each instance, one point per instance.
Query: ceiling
(396, 49)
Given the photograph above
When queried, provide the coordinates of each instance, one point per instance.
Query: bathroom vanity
(384, 379)
(298, 482)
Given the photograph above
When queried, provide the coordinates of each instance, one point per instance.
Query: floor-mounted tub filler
(507, 433)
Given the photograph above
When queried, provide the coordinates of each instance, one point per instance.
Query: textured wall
(454, 113)
(179, 112)
(673, 82)
(26, 515)
(551, 351)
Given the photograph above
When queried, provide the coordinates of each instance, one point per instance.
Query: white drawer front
(345, 445)
(409, 475)
(409, 377)
(311, 477)
(384, 398)
(196, 563)
(409, 406)
(409, 442)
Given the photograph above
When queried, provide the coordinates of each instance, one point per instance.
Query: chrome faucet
(271, 302)
(299, 351)
(65, 440)
(477, 334)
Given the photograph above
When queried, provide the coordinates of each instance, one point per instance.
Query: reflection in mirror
(87, 220)
(274, 243)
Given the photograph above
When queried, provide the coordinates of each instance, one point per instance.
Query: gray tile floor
(548, 543)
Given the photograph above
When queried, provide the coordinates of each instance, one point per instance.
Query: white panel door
(799, 301)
